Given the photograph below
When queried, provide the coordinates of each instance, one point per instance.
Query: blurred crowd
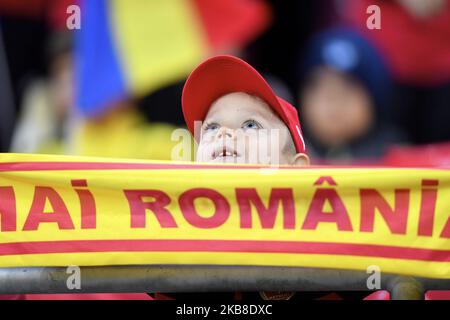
(365, 95)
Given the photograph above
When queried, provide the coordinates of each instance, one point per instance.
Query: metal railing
(198, 278)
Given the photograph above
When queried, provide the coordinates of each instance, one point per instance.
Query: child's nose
(225, 132)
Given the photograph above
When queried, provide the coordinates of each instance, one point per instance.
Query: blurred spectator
(344, 99)
(24, 26)
(45, 115)
(415, 39)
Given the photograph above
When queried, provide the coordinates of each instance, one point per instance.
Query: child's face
(241, 128)
(335, 108)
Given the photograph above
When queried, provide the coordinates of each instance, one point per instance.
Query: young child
(242, 120)
(346, 99)
(235, 104)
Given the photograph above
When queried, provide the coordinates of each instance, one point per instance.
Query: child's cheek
(256, 148)
(208, 137)
(203, 153)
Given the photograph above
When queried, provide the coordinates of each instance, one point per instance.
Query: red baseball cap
(225, 74)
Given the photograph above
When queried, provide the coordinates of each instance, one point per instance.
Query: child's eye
(251, 124)
(211, 127)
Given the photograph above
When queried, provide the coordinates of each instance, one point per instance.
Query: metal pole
(183, 278)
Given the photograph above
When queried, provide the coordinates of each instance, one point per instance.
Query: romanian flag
(133, 47)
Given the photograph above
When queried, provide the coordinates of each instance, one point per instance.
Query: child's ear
(300, 159)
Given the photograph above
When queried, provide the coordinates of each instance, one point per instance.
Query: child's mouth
(224, 152)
